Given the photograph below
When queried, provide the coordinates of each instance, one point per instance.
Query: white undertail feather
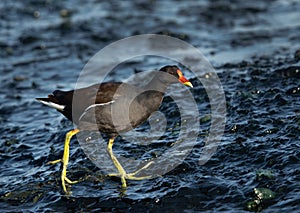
(53, 105)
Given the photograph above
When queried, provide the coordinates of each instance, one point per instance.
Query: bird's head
(177, 73)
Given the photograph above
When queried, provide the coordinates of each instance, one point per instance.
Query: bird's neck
(156, 85)
(153, 94)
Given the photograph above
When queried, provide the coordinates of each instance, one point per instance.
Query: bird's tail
(51, 101)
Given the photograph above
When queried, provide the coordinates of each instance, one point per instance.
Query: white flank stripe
(94, 105)
(53, 105)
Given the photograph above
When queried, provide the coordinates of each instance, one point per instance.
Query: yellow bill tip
(189, 84)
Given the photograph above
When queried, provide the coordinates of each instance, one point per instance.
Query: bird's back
(73, 103)
(130, 107)
(109, 107)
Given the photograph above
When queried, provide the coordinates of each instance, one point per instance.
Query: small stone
(36, 14)
(263, 173)
(64, 13)
(20, 78)
(264, 193)
(9, 51)
(205, 119)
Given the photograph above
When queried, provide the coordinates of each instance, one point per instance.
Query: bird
(111, 108)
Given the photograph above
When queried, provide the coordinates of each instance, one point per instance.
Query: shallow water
(254, 47)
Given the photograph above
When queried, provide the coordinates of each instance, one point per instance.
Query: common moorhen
(111, 108)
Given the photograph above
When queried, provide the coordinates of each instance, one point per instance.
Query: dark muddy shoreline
(254, 47)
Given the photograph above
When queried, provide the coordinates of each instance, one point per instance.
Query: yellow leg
(65, 160)
(122, 173)
(117, 164)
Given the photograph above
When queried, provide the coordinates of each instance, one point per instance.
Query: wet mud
(253, 46)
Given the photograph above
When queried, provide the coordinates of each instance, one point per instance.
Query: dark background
(254, 47)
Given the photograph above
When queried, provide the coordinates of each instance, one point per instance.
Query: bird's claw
(54, 161)
(132, 176)
(64, 178)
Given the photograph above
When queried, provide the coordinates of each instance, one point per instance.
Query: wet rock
(9, 51)
(20, 78)
(263, 198)
(293, 91)
(297, 55)
(293, 71)
(36, 14)
(264, 193)
(65, 13)
(261, 174)
(28, 39)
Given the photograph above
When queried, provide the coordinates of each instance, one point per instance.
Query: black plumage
(112, 108)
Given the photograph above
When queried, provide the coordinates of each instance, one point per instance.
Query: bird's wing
(90, 110)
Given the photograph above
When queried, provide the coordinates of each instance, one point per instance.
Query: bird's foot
(139, 170)
(54, 161)
(131, 176)
(65, 160)
(64, 178)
